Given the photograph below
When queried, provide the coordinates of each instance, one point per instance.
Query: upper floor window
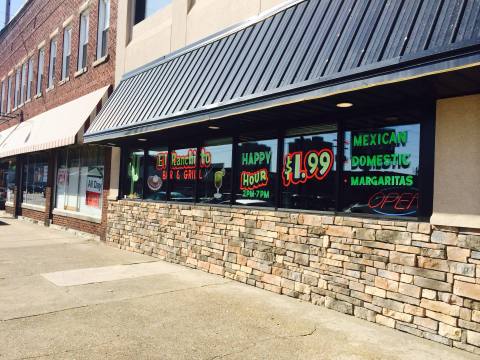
(18, 78)
(2, 99)
(67, 50)
(30, 78)
(53, 60)
(41, 64)
(9, 94)
(146, 8)
(83, 43)
(103, 26)
(23, 89)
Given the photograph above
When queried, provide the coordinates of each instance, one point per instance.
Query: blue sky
(14, 6)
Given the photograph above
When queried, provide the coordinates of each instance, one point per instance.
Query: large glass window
(257, 172)
(80, 179)
(134, 179)
(156, 188)
(182, 174)
(35, 176)
(308, 172)
(215, 173)
(381, 170)
(7, 180)
(371, 169)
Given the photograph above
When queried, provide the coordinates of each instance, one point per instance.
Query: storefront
(309, 152)
(377, 172)
(49, 176)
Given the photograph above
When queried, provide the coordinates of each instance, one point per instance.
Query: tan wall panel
(268, 4)
(210, 16)
(456, 199)
(173, 28)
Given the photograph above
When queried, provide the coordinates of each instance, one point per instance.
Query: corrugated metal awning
(304, 50)
(51, 129)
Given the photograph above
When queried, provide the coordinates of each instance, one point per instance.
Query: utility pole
(7, 11)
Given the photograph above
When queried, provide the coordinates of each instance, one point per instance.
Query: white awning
(51, 129)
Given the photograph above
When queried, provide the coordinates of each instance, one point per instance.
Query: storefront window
(182, 174)
(308, 172)
(156, 188)
(215, 173)
(35, 175)
(7, 181)
(381, 170)
(79, 181)
(134, 183)
(378, 172)
(256, 174)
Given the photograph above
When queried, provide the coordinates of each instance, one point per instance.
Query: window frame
(103, 29)
(2, 97)
(23, 86)
(83, 34)
(9, 94)
(40, 70)
(17, 91)
(28, 95)
(52, 62)
(66, 51)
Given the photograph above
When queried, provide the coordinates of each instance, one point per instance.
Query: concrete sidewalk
(63, 297)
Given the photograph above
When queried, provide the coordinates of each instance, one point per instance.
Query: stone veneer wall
(410, 276)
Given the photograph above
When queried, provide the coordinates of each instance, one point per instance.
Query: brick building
(56, 71)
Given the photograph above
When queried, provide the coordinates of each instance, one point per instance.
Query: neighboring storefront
(309, 152)
(49, 176)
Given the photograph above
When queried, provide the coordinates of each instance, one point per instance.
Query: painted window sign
(215, 176)
(94, 187)
(382, 173)
(253, 183)
(308, 171)
(186, 161)
(257, 160)
(300, 167)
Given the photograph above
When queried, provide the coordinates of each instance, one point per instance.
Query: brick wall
(9, 210)
(409, 276)
(33, 214)
(34, 24)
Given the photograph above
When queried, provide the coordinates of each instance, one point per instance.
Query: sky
(15, 5)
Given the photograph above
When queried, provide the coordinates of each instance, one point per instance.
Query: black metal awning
(305, 50)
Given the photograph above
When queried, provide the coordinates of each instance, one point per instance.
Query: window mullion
(340, 163)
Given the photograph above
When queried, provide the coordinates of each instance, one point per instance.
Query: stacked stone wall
(410, 276)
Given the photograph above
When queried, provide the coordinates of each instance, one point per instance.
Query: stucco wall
(175, 26)
(456, 199)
